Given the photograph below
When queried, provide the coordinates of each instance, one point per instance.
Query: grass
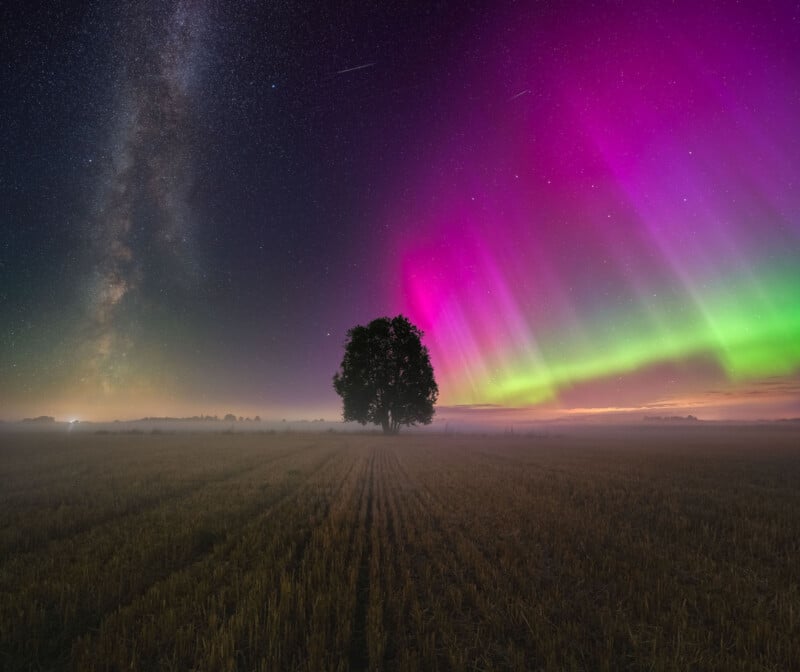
(652, 549)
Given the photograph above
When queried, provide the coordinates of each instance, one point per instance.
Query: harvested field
(648, 549)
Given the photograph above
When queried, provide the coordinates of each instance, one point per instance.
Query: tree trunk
(390, 425)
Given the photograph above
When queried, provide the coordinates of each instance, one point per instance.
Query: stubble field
(650, 549)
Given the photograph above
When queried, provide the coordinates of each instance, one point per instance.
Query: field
(649, 549)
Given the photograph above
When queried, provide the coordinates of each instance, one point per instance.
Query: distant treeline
(670, 418)
(230, 417)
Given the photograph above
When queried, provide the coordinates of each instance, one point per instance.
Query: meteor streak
(358, 67)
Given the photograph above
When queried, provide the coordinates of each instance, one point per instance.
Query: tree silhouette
(386, 377)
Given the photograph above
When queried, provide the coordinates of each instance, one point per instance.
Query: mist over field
(624, 426)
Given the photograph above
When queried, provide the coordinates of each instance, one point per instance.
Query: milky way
(142, 229)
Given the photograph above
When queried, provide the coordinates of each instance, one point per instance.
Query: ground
(657, 548)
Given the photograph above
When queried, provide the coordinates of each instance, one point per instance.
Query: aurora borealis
(641, 213)
(585, 207)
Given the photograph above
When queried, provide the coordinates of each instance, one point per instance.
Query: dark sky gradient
(587, 207)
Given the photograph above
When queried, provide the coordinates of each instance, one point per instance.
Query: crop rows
(351, 552)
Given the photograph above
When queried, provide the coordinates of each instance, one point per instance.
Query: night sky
(587, 207)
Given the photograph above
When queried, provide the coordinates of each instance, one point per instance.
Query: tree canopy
(386, 377)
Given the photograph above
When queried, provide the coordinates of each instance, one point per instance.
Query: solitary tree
(386, 377)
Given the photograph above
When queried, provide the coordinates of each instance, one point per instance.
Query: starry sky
(589, 208)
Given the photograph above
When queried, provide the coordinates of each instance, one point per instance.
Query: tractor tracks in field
(385, 597)
(359, 644)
